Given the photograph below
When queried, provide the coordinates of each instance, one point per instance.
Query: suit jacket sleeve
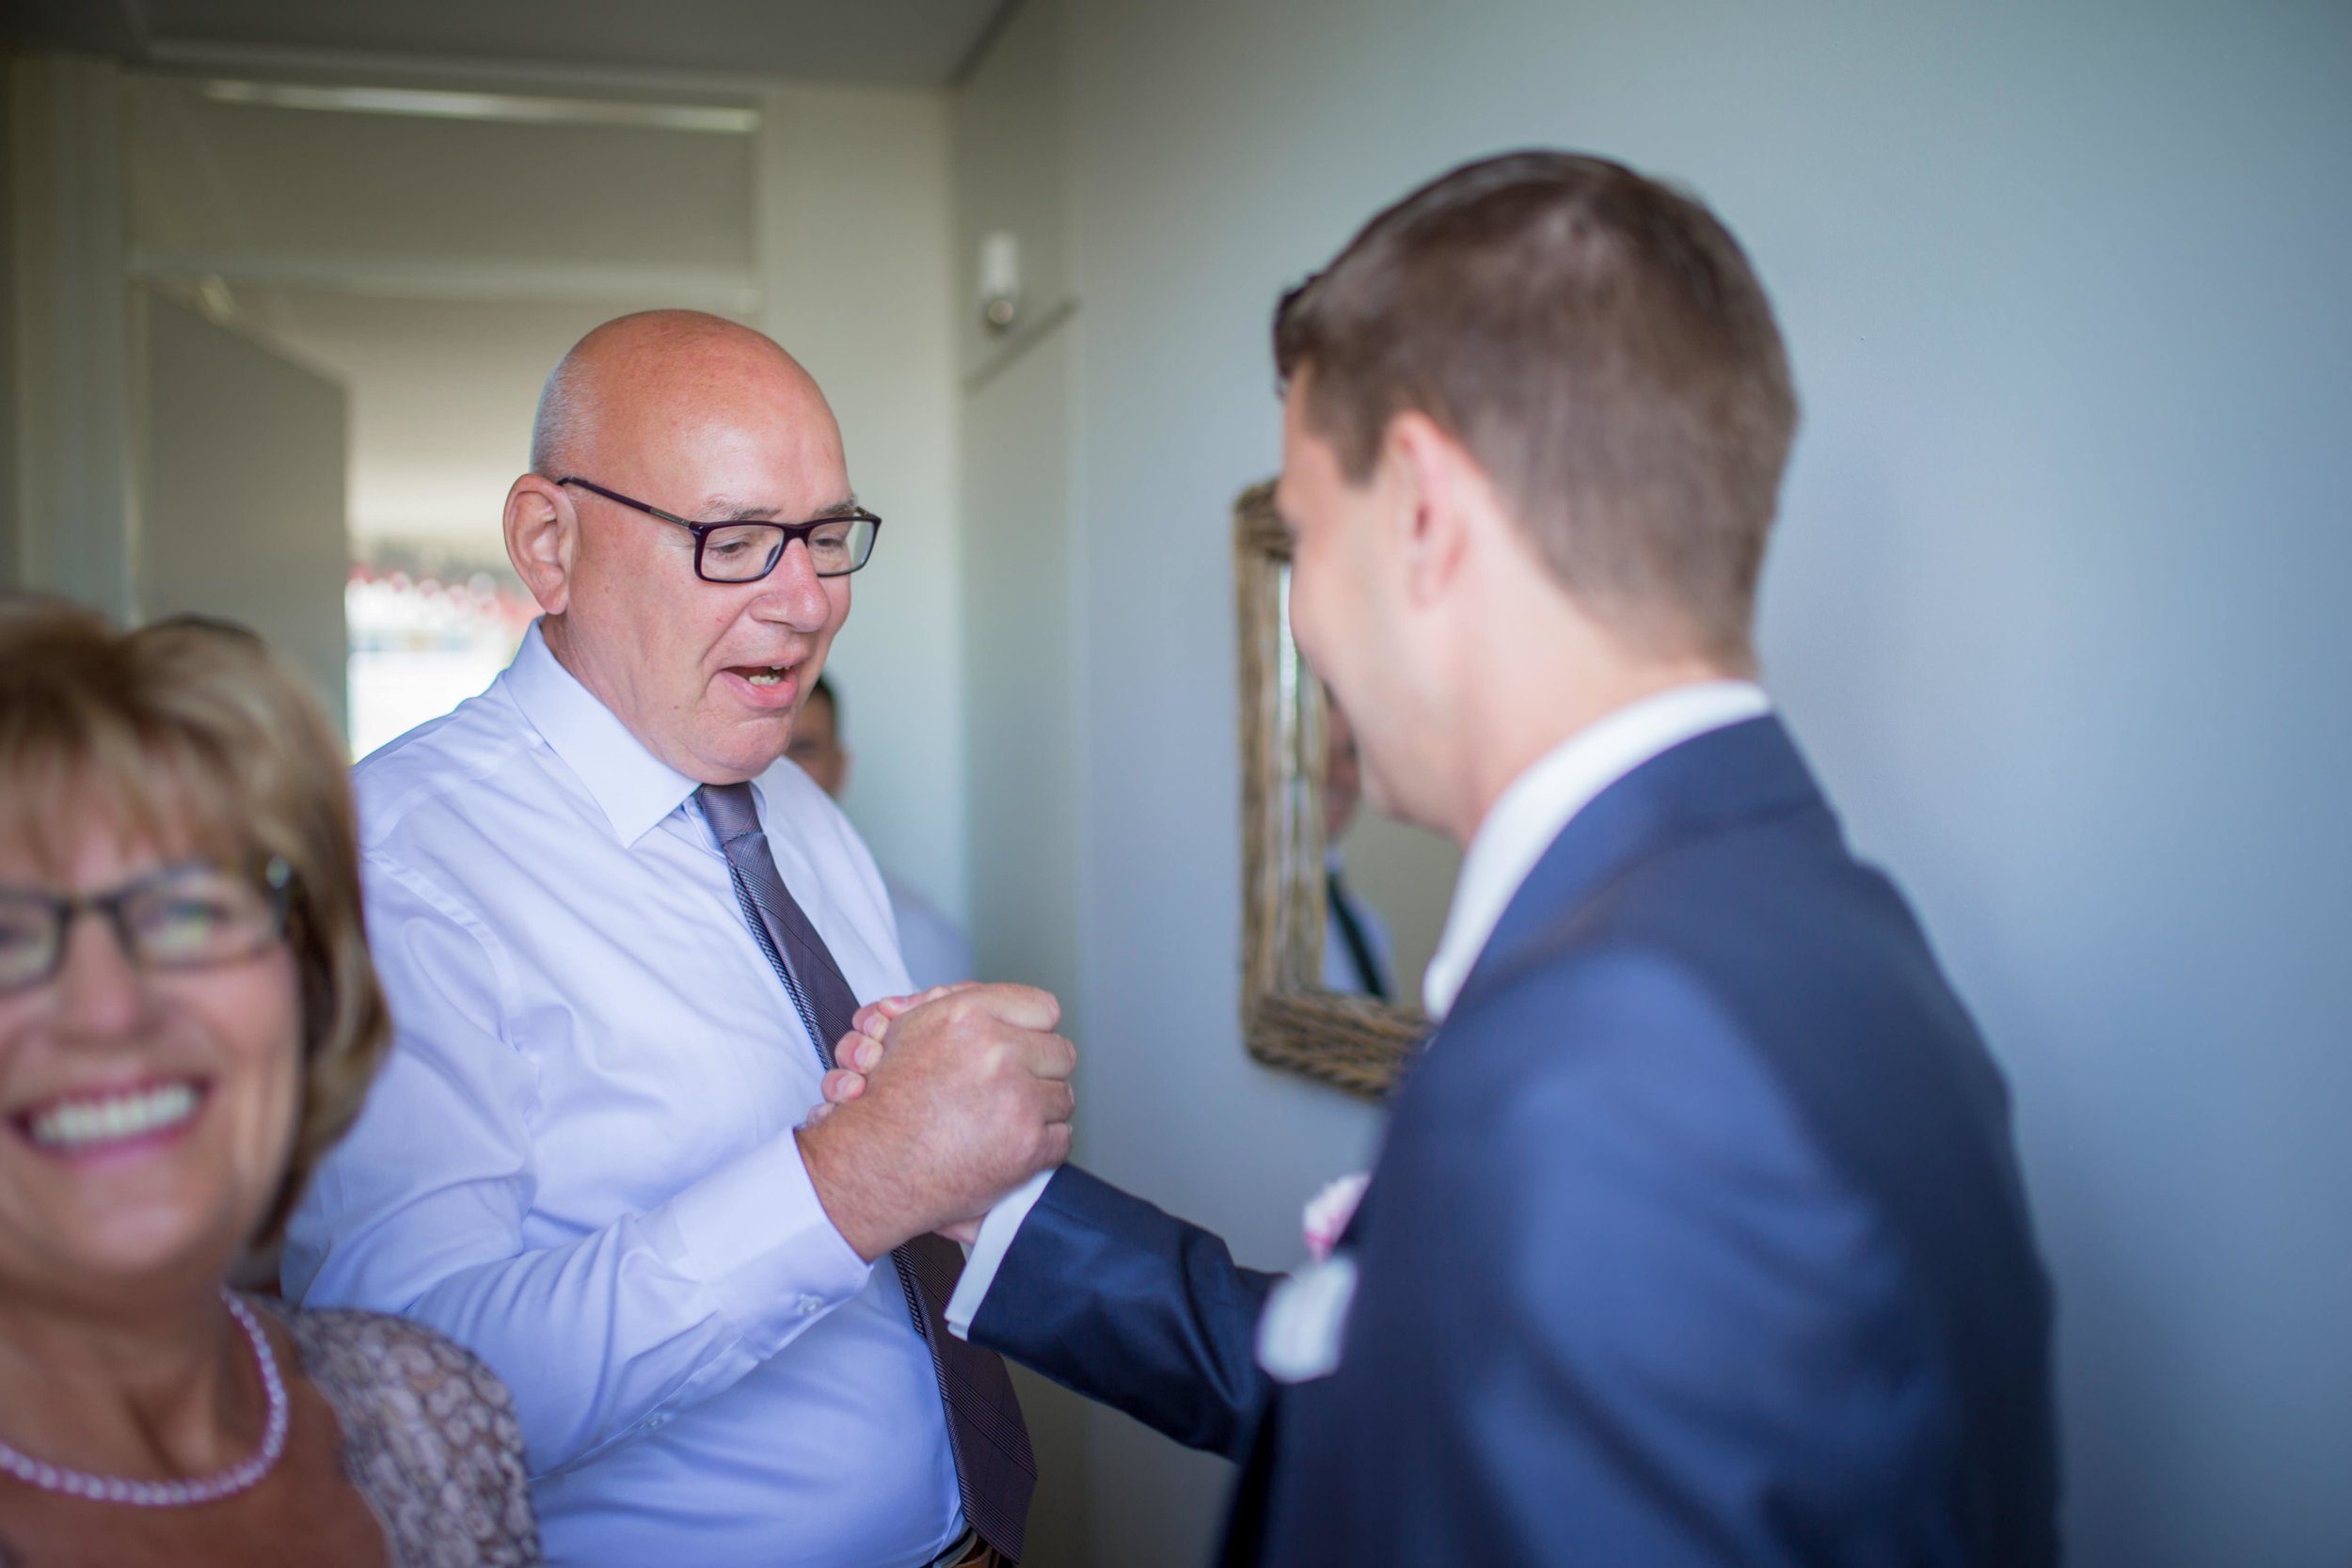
(1108, 1296)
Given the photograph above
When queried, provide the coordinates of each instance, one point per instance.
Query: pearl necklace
(174, 1493)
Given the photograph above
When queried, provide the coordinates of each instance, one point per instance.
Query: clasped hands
(941, 1103)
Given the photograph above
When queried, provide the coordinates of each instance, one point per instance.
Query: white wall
(442, 397)
(854, 228)
(243, 466)
(11, 531)
(74, 501)
(2056, 607)
(440, 266)
(1020, 582)
(443, 266)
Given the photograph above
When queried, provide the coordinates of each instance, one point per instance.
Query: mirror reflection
(1386, 883)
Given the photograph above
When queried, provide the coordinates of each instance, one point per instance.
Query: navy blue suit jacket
(1696, 1238)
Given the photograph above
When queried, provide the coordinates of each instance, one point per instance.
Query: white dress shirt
(1525, 819)
(578, 1160)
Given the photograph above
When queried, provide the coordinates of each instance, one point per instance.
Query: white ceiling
(879, 42)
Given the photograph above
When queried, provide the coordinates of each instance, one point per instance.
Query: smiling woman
(188, 1020)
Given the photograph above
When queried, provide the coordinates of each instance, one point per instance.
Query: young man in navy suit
(1697, 1235)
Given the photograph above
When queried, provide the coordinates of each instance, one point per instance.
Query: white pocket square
(1299, 1337)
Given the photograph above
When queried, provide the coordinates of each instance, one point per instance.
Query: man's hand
(859, 1052)
(944, 1102)
(855, 1053)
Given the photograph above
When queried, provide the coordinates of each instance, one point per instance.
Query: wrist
(836, 1173)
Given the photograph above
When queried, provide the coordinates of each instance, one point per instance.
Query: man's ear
(1433, 482)
(543, 539)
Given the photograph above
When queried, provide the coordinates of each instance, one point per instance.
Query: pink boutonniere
(1326, 1216)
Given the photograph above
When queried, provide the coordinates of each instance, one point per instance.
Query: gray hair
(561, 428)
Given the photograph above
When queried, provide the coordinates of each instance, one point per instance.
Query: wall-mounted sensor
(1000, 281)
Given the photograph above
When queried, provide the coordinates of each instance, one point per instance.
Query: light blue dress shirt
(578, 1158)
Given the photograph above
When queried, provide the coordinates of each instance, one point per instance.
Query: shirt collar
(1542, 801)
(636, 788)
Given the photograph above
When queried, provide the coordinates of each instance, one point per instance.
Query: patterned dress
(430, 1437)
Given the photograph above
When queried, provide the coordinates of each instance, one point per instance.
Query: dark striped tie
(995, 1470)
(1352, 932)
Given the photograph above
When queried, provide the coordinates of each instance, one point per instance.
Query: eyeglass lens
(181, 918)
(744, 551)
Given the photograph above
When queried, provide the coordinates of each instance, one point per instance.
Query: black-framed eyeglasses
(746, 552)
(189, 917)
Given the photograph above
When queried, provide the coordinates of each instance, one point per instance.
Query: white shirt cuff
(757, 1236)
(988, 1253)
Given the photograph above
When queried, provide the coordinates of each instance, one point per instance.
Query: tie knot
(731, 809)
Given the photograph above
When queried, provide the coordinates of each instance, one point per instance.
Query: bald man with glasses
(620, 939)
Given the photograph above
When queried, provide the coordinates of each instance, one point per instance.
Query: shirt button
(658, 1422)
(809, 1305)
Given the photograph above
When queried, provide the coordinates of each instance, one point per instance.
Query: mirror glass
(1387, 885)
(1337, 926)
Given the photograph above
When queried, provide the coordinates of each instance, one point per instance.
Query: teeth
(768, 676)
(79, 1124)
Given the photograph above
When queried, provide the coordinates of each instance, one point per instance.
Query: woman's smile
(104, 1122)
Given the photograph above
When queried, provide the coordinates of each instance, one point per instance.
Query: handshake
(940, 1104)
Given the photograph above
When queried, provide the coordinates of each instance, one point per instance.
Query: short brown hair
(189, 732)
(1600, 345)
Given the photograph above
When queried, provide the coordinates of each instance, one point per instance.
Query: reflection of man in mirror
(936, 950)
(1358, 955)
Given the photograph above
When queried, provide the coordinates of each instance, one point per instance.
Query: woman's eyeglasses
(180, 917)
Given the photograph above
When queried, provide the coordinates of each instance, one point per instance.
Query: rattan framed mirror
(1288, 1021)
